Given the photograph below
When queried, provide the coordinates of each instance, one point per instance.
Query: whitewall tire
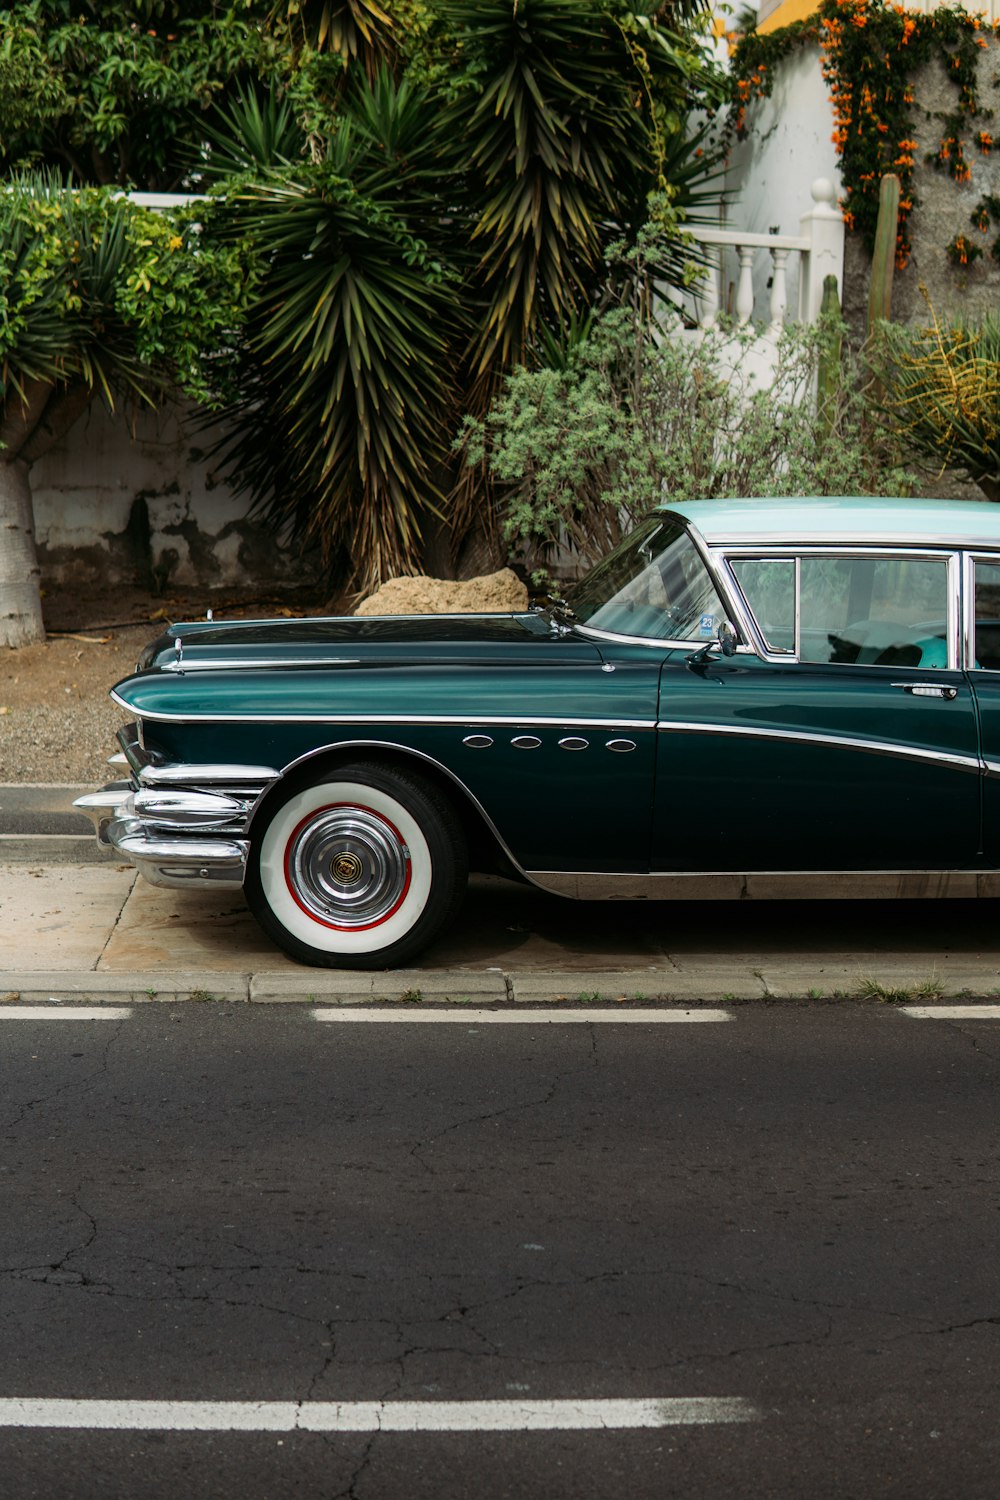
(360, 869)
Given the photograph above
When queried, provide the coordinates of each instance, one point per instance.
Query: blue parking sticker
(706, 625)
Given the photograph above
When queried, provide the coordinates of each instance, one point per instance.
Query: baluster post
(707, 289)
(779, 292)
(744, 290)
(823, 227)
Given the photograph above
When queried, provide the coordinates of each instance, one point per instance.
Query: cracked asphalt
(224, 1203)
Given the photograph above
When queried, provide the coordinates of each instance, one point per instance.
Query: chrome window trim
(952, 556)
(658, 643)
(832, 741)
(720, 577)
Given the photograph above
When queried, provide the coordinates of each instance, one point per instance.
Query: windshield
(654, 584)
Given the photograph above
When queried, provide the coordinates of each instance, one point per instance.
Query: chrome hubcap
(347, 866)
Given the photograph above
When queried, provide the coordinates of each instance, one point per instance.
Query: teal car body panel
(551, 688)
(747, 697)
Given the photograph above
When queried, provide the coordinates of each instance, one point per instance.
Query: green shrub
(629, 414)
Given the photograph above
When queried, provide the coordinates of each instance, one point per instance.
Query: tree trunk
(31, 424)
(20, 596)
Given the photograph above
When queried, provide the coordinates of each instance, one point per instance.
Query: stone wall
(943, 210)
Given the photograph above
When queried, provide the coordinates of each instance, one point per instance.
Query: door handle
(925, 690)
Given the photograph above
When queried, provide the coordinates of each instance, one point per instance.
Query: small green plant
(815, 994)
(870, 988)
(591, 997)
(412, 997)
(201, 996)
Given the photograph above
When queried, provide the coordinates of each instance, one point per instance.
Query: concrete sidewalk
(95, 930)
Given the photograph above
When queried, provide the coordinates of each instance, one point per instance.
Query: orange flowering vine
(869, 52)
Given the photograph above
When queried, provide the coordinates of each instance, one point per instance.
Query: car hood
(372, 640)
(379, 669)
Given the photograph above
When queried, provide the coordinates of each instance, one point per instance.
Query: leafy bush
(628, 415)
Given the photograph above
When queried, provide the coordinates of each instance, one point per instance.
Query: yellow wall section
(785, 13)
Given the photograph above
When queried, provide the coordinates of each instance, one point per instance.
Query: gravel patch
(57, 723)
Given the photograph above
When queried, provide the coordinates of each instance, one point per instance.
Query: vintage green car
(747, 698)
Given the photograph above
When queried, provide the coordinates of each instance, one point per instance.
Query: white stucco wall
(790, 145)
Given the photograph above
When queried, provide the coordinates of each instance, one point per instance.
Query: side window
(869, 611)
(986, 648)
(768, 585)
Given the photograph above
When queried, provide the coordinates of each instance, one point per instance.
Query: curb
(630, 988)
(492, 987)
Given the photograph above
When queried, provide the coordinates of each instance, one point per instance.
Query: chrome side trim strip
(834, 741)
(770, 885)
(250, 664)
(470, 720)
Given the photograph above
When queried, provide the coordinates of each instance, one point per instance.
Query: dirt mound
(493, 593)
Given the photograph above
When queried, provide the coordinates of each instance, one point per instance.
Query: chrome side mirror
(723, 645)
(727, 639)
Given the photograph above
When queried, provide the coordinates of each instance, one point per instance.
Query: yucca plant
(942, 394)
(424, 242)
(345, 370)
(559, 134)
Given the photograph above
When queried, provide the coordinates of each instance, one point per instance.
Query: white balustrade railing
(732, 284)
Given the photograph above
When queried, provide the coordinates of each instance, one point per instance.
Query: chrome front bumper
(180, 825)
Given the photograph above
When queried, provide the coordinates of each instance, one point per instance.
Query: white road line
(952, 1012)
(65, 1012)
(374, 1416)
(524, 1016)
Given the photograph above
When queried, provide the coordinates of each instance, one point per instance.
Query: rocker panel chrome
(770, 885)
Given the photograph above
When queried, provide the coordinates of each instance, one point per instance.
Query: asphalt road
(793, 1210)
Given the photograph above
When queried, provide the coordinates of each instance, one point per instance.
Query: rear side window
(986, 647)
(866, 611)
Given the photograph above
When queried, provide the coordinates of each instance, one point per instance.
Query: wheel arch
(487, 848)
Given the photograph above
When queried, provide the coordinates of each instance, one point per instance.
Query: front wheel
(358, 871)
